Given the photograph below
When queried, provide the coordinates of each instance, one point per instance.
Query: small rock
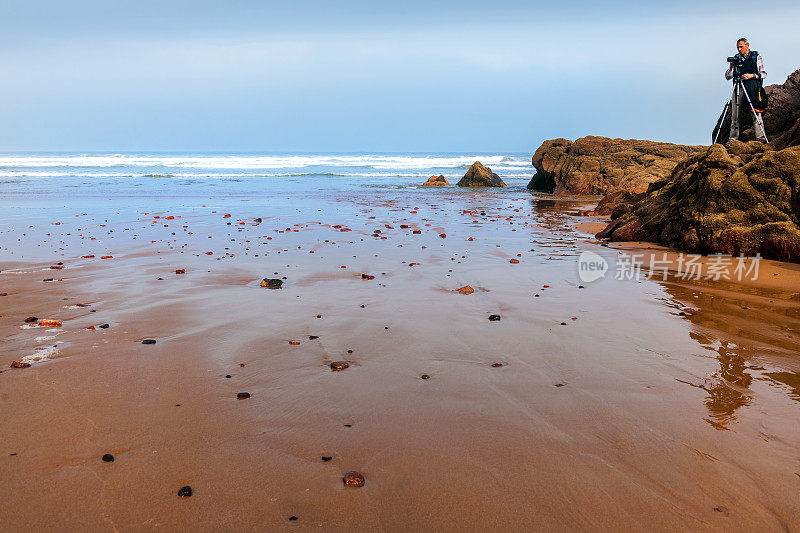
(497, 365)
(185, 491)
(494, 318)
(312, 337)
(466, 289)
(353, 479)
(180, 271)
(242, 395)
(20, 364)
(103, 326)
(326, 458)
(49, 323)
(271, 283)
(367, 276)
(339, 365)
(149, 341)
(31, 319)
(513, 261)
(425, 376)
(108, 458)
(294, 343)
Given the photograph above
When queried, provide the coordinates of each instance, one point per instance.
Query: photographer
(750, 67)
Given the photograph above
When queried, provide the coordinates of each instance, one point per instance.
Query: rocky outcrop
(598, 165)
(781, 118)
(436, 181)
(480, 176)
(740, 200)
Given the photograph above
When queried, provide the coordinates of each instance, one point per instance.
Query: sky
(374, 76)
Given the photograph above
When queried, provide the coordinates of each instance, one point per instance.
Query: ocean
(155, 174)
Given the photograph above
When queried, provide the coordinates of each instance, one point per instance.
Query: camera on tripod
(736, 61)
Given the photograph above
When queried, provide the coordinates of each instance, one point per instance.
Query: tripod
(738, 87)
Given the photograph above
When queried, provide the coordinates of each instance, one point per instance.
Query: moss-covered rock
(740, 200)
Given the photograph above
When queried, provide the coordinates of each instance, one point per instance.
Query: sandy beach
(630, 405)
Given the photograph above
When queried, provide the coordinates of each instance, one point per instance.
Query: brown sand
(662, 406)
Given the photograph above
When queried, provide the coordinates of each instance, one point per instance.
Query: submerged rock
(339, 365)
(480, 176)
(741, 200)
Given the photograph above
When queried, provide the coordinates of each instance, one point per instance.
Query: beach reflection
(745, 330)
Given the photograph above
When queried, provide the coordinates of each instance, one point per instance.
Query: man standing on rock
(751, 69)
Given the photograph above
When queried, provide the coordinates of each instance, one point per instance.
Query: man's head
(743, 46)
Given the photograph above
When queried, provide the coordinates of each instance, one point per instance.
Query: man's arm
(760, 66)
(729, 72)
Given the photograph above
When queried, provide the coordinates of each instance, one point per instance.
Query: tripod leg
(721, 120)
(735, 105)
(758, 123)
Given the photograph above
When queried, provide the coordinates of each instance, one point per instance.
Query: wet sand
(620, 404)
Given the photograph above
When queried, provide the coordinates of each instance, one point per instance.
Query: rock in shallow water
(339, 365)
(271, 283)
(353, 479)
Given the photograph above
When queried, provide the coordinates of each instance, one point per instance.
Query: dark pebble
(242, 395)
(228, 376)
(312, 337)
(271, 283)
(185, 492)
(293, 517)
(497, 365)
(494, 318)
(31, 319)
(103, 326)
(326, 458)
(108, 458)
(149, 341)
(425, 376)
(559, 384)
(353, 479)
(339, 365)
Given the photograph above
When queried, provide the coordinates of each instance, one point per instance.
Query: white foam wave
(259, 162)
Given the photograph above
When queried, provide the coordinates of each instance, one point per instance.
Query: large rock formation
(740, 200)
(480, 176)
(598, 165)
(781, 118)
(436, 181)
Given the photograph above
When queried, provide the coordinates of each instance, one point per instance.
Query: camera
(736, 62)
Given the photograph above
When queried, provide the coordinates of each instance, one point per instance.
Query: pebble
(339, 365)
(180, 271)
(514, 261)
(185, 491)
(312, 337)
(353, 479)
(271, 283)
(149, 341)
(494, 318)
(242, 395)
(367, 276)
(108, 458)
(497, 365)
(20, 364)
(466, 289)
(49, 323)
(31, 319)
(103, 326)
(326, 458)
(425, 376)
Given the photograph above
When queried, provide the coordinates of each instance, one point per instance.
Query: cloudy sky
(316, 76)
